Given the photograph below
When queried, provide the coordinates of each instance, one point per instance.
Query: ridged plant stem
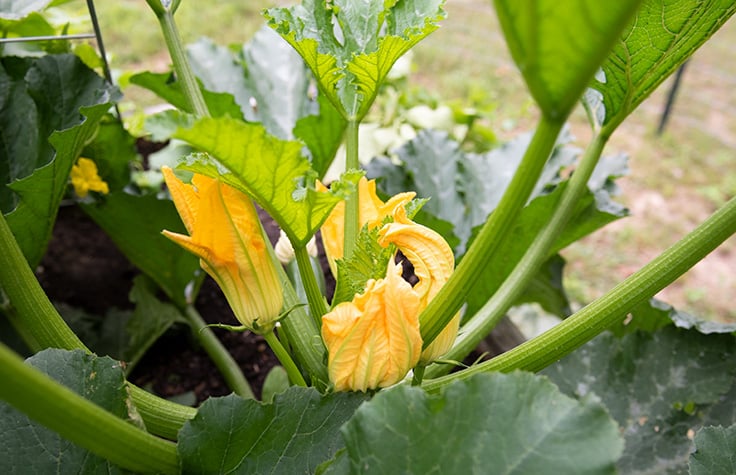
(584, 325)
(219, 355)
(352, 204)
(81, 421)
(481, 324)
(450, 298)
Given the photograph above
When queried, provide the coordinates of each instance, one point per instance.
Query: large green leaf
(271, 83)
(134, 223)
(271, 170)
(716, 451)
(351, 46)
(558, 46)
(294, 434)
(279, 80)
(492, 423)
(69, 100)
(661, 37)
(27, 447)
(659, 387)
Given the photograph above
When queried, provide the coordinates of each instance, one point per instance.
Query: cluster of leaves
(648, 396)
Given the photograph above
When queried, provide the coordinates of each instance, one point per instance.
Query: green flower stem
(218, 354)
(352, 204)
(450, 298)
(611, 308)
(302, 331)
(41, 326)
(317, 304)
(488, 316)
(295, 376)
(81, 421)
(189, 84)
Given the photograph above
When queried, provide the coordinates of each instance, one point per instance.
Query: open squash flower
(372, 213)
(374, 340)
(85, 178)
(227, 237)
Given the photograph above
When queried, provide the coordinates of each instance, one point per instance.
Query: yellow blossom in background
(85, 178)
(433, 263)
(225, 233)
(372, 212)
(374, 340)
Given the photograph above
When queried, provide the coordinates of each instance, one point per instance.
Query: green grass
(676, 180)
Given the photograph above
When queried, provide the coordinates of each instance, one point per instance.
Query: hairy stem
(481, 324)
(352, 204)
(450, 298)
(611, 308)
(184, 74)
(81, 421)
(291, 369)
(317, 304)
(218, 354)
(302, 332)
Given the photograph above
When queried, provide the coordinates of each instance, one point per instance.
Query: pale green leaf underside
(559, 45)
(271, 170)
(345, 47)
(662, 36)
(658, 387)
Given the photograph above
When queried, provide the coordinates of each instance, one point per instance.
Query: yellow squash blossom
(372, 212)
(433, 263)
(85, 178)
(226, 235)
(374, 340)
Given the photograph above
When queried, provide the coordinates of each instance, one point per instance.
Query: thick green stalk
(81, 421)
(302, 331)
(41, 326)
(352, 204)
(295, 376)
(450, 298)
(488, 316)
(317, 303)
(218, 354)
(611, 308)
(184, 74)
